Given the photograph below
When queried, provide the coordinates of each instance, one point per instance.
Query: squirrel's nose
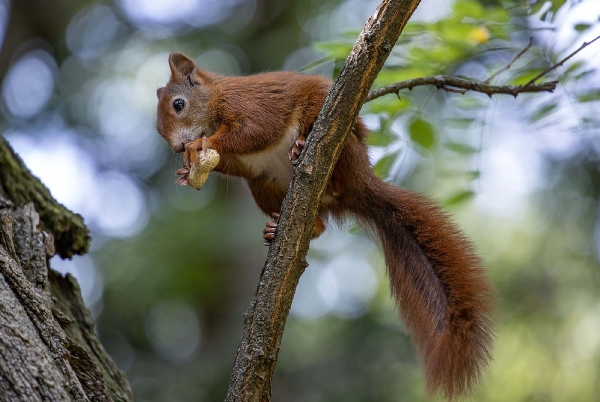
(178, 148)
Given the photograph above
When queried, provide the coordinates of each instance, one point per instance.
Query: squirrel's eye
(178, 104)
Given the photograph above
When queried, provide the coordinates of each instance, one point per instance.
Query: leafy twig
(521, 53)
(460, 85)
(560, 63)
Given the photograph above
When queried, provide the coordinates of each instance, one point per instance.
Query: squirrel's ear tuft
(181, 65)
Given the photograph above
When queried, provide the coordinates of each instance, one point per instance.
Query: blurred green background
(172, 270)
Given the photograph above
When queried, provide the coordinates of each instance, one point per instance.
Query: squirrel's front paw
(199, 160)
(183, 172)
(189, 158)
(296, 149)
(191, 151)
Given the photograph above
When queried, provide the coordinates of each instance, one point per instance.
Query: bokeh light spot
(29, 84)
(122, 205)
(173, 329)
(347, 285)
(110, 202)
(91, 31)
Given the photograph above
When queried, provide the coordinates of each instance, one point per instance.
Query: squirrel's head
(184, 110)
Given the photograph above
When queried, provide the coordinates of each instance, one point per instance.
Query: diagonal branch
(509, 65)
(264, 324)
(560, 63)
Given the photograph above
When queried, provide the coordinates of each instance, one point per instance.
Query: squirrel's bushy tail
(438, 282)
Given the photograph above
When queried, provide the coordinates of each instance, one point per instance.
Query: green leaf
(462, 123)
(460, 148)
(556, 4)
(536, 7)
(316, 63)
(590, 122)
(441, 56)
(527, 76)
(584, 74)
(574, 67)
(383, 136)
(581, 27)
(469, 8)
(336, 50)
(550, 13)
(351, 34)
(459, 198)
(544, 111)
(473, 175)
(388, 104)
(591, 96)
(390, 75)
(422, 133)
(497, 14)
(382, 167)
(380, 139)
(468, 102)
(457, 35)
(499, 31)
(415, 28)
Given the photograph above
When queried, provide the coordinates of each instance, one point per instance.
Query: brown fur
(436, 277)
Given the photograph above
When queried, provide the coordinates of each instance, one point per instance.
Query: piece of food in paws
(201, 164)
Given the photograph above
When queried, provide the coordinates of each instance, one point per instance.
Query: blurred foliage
(172, 271)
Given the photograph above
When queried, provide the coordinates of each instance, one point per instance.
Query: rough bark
(48, 349)
(265, 320)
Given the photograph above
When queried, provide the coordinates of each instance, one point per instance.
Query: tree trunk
(48, 348)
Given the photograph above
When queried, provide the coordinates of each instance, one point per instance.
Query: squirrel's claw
(296, 149)
(269, 230)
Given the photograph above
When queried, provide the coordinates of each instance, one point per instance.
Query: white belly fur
(274, 162)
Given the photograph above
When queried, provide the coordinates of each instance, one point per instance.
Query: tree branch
(462, 86)
(265, 320)
(450, 84)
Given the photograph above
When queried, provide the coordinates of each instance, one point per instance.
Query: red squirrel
(259, 123)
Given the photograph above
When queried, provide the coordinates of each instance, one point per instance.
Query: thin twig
(530, 29)
(460, 85)
(521, 53)
(560, 63)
